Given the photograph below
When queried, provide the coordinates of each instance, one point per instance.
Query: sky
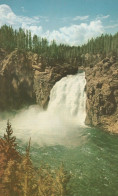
(70, 22)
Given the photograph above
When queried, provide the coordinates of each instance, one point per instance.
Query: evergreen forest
(20, 39)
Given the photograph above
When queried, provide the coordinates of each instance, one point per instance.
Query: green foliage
(18, 177)
(61, 183)
(11, 39)
(10, 144)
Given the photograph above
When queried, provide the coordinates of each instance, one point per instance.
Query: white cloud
(38, 30)
(23, 9)
(76, 34)
(107, 16)
(73, 34)
(80, 18)
(101, 17)
(111, 26)
(7, 16)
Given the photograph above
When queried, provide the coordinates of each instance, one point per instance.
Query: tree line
(23, 40)
(19, 177)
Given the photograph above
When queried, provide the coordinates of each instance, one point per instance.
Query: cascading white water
(65, 114)
(68, 97)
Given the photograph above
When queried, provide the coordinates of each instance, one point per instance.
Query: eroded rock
(102, 94)
(26, 78)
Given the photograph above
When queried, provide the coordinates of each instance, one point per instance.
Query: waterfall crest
(68, 97)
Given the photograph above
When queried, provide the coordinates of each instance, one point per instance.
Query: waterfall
(65, 114)
(68, 98)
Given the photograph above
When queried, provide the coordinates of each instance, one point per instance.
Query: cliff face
(16, 80)
(25, 79)
(45, 79)
(102, 94)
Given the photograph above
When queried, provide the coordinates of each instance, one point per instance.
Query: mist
(61, 123)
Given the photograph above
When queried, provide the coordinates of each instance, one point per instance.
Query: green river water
(90, 155)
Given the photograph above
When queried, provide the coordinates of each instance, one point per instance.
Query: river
(60, 135)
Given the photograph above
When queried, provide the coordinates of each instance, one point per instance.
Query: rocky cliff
(45, 79)
(25, 78)
(102, 94)
(16, 80)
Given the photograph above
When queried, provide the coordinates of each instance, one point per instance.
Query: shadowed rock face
(102, 94)
(26, 79)
(16, 81)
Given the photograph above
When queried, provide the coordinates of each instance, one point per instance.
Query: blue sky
(68, 21)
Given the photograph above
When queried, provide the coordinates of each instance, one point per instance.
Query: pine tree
(61, 182)
(8, 158)
(11, 179)
(35, 43)
(45, 182)
(27, 175)
(27, 40)
(3, 164)
(7, 149)
(30, 40)
(10, 144)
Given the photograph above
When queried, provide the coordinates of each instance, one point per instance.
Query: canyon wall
(102, 94)
(25, 79)
(16, 80)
